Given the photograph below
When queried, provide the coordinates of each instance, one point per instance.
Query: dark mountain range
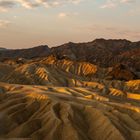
(2, 48)
(104, 53)
(30, 53)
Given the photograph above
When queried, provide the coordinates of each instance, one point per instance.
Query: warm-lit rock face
(50, 71)
(71, 92)
(121, 72)
(64, 72)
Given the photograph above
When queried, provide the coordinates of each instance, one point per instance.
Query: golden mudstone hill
(49, 71)
(68, 113)
(62, 99)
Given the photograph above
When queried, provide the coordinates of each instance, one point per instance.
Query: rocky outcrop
(121, 72)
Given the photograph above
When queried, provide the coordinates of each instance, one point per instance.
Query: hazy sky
(28, 23)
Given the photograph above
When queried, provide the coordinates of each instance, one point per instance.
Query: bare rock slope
(72, 92)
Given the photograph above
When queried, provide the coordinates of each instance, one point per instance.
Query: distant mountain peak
(111, 40)
(41, 47)
(1, 48)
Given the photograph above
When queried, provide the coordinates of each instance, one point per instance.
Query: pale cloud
(4, 23)
(63, 14)
(15, 16)
(128, 1)
(115, 3)
(48, 3)
(5, 5)
(109, 4)
(51, 3)
(75, 1)
(134, 12)
(29, 4)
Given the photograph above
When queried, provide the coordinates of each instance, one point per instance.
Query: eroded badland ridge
(76, 91)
